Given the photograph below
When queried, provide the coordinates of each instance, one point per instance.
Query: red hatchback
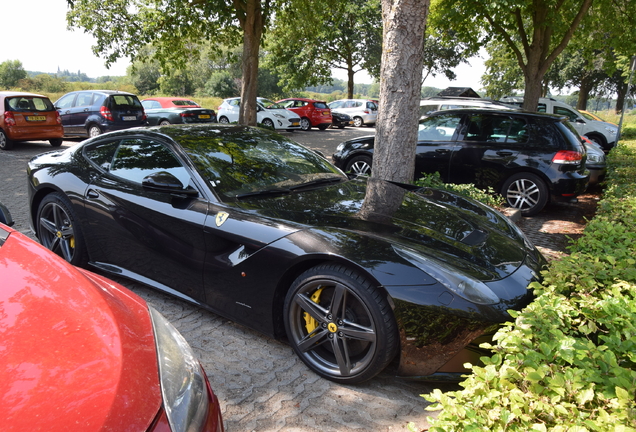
(312, 113)
(79, 352)
(28, 116)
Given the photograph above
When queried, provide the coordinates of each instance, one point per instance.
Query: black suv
(529, 158)
(92, 112)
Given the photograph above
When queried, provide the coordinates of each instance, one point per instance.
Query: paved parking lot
(260, 382)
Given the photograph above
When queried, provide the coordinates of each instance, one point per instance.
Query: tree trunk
(252, 24)
(620, 100)
(350, 82)
(400, 76)
(584, 92)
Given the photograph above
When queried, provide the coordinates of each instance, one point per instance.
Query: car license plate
(129, 118)
(295, 123)
(36, 118)
(204, 116)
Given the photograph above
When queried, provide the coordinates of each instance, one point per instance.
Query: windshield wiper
(263, 192)
(316, 182)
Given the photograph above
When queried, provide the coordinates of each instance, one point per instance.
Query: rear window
(28, 103)
(184, 103)
(124, 101)
(320, 105)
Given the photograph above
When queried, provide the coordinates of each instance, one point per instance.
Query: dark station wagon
(529, 158)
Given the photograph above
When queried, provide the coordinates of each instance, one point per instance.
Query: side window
(518, 131)
(571, 115)
(101, 154)
(541, 108)
(334, 105)
(487, 128)
(235, 102)
(438, 128)
(65, 102)
(138, 158)
(84, 99)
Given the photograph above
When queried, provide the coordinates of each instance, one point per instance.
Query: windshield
(270, 104)
(247, 161)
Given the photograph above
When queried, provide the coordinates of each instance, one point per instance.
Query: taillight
(105, 112)
(569, 157)
(58, 119)
(9, 120)
(183, 114)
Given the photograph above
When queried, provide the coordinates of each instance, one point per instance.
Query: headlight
(461, 284)
(279, 116)
(595, 157)
(340, 147)
(183, 384)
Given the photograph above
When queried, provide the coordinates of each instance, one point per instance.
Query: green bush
(488, 196)
(567, 362)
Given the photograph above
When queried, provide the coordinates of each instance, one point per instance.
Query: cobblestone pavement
(261, 384)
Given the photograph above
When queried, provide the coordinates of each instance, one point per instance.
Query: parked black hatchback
(529, 158)
(88, 113)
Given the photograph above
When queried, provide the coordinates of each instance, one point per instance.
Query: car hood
(76, 350)
(442, 225)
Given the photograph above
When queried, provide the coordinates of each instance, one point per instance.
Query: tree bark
(584, 92)
(404, 22)
(252, 24)
(620, 100)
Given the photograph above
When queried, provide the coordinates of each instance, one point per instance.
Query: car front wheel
(268, 123)
(339, 324)
(58, 229)
(526, 192)
(359, 165)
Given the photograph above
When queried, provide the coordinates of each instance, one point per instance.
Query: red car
(174, 102)
(26, 117)
(79, 352)
(312, 113)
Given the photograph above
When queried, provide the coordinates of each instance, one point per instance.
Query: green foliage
(567, 362)
(488, 196)
(11, 71)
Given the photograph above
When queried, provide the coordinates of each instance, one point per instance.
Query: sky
(58, 47)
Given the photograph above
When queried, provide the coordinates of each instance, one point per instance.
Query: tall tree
(11, 71)
(535, 31)
(123, 27)
(306, 44)
(403, 22)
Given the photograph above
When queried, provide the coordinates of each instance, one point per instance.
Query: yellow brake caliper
(310, 322)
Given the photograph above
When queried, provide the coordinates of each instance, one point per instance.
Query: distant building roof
(459, 92)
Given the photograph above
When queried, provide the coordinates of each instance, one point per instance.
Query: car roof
(302, 99)
(480, 110)
(18, 93)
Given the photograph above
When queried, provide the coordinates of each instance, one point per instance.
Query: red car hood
(77, 351)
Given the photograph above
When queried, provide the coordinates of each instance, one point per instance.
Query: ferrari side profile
(355, 273)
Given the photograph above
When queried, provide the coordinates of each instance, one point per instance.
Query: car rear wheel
(5, 142)
(58, 229)
(223, 120)
(323, 126)
(339, 324)
(56, 142)
(359, 165)
(93, 131)
(526, 192)
(357, 121)
(305, 124)
(164, 123)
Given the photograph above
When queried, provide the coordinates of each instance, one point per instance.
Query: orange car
(28, 116)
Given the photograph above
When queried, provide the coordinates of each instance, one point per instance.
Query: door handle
(85, 109)
(442, 151)
(504, 153)
(92, 194)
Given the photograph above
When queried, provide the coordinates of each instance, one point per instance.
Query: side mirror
(164, 181)
(5, 215)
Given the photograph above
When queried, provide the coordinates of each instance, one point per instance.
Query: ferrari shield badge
(221, 217)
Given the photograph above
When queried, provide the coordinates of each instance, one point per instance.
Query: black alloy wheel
(5, 142)
(359, 165)
(58, 231)
(339, 324)
(526, 192)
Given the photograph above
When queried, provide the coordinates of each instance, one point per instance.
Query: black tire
(599, 141)
(357, 122)
(93, 130)
(359, 165)
(341, 127)
(164, 123)
(339, 324)
(58, 229)
(5, 142)
(305, 124)
(323, 126)
(526, 192)
(268, 123)
(224, 120)
(56, 142)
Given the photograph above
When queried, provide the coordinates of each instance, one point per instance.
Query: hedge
(568, 360)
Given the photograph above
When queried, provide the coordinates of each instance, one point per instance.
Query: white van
(599, 132)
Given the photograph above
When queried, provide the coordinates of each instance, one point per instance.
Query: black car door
(487, 148)
(155, 234)
(435, 144)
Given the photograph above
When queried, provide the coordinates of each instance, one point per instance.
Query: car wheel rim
(304, 124)
(357, 122)
(268, 123)
(223, 120)
(332, 328)
(56, 231)
(523, 194)
(93, 132)
(360, 168)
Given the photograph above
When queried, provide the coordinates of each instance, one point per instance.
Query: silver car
(362, 111)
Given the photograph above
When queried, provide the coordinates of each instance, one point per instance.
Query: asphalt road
(261, 384)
